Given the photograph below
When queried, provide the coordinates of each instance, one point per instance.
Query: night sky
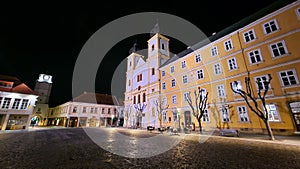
(47, 38)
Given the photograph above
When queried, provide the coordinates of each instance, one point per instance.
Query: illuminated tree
(160, 108)
(249, 96)
(139, 108)
(199, 106)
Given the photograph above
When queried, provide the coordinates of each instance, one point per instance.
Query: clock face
(46, 77)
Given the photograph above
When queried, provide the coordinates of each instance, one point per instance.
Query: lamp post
(112, 119)
(178, 116)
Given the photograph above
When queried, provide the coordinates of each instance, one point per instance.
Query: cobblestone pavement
(72, 148)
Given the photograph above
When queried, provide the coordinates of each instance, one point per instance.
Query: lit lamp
(178, 116)
(112, 119)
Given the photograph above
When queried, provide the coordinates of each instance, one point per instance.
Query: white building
(17, 102)
(43, 89)
(84, 112)
(142, 83)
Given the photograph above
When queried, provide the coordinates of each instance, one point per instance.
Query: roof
(17, 87)
(87, 97)
(242, 23)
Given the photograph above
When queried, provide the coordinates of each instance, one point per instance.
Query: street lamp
(112, 119)
(178, 116)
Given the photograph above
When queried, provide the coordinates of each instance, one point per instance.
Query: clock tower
(43, 89)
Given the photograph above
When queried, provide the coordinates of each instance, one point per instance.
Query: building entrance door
(187, 118)
(295, 109)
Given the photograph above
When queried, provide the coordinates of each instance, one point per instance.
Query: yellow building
(265, 43)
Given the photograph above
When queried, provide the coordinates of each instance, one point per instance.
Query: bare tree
(160, 108)
(199, 106)
(248, 95)
(127, 113)
(139, 108)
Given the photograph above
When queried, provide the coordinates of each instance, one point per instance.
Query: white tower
(43, 89)
(142, 82)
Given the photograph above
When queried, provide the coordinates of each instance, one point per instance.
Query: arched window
(144, 97)
(153, 71)
(134, 100)
(139, 98)
(163, 46)
(152, 47)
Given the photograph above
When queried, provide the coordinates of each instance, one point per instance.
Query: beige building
(82, 111)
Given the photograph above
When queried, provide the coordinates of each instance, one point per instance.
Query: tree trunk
(160, 123)
(200, 126)
(270, 132)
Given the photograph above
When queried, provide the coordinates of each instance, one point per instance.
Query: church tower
(43, 89)
(143, 82)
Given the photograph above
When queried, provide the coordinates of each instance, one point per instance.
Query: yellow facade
(278, 31)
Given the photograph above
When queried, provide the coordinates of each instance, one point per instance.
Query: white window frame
(221, 90)
(204, 92)
(255, 56)
(24, 104)
(92, 110)
(263, 79)
(174, 99)
(185, 95)
(198, 58)
(163, 85)
(232, 64)
(173, 82)
(163, 73)
(175, 116)
(277, 48)
(243, 114)
(172, 69)
(289, 80)
(6, 103)
(214, 51)
(228, 45)
(272, 112)
(217, 69)
(205, 117)
(269, 22)
(183, 64)
(200, 74)
(249, 36)
(236, 86)
(16, 103)
(1, 98)
(164, 101)
(225, 114)
(184, 79)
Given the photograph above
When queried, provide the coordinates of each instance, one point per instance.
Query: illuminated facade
(84, 112)
(142, 83)
(265, 43)
(17, 102)
(43, 89)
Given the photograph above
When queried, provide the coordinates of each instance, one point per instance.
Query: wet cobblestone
(72, 148)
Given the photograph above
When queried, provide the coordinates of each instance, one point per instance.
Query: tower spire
(155, 29)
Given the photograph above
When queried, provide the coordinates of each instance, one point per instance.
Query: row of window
(17, 104)
(95, 110)
(225, 115)
(138, 100)
(287, 78)
(140, 76)
(255, 56)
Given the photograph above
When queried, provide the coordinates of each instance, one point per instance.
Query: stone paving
(72, 148)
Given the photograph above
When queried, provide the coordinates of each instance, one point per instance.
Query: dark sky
(47, 38)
